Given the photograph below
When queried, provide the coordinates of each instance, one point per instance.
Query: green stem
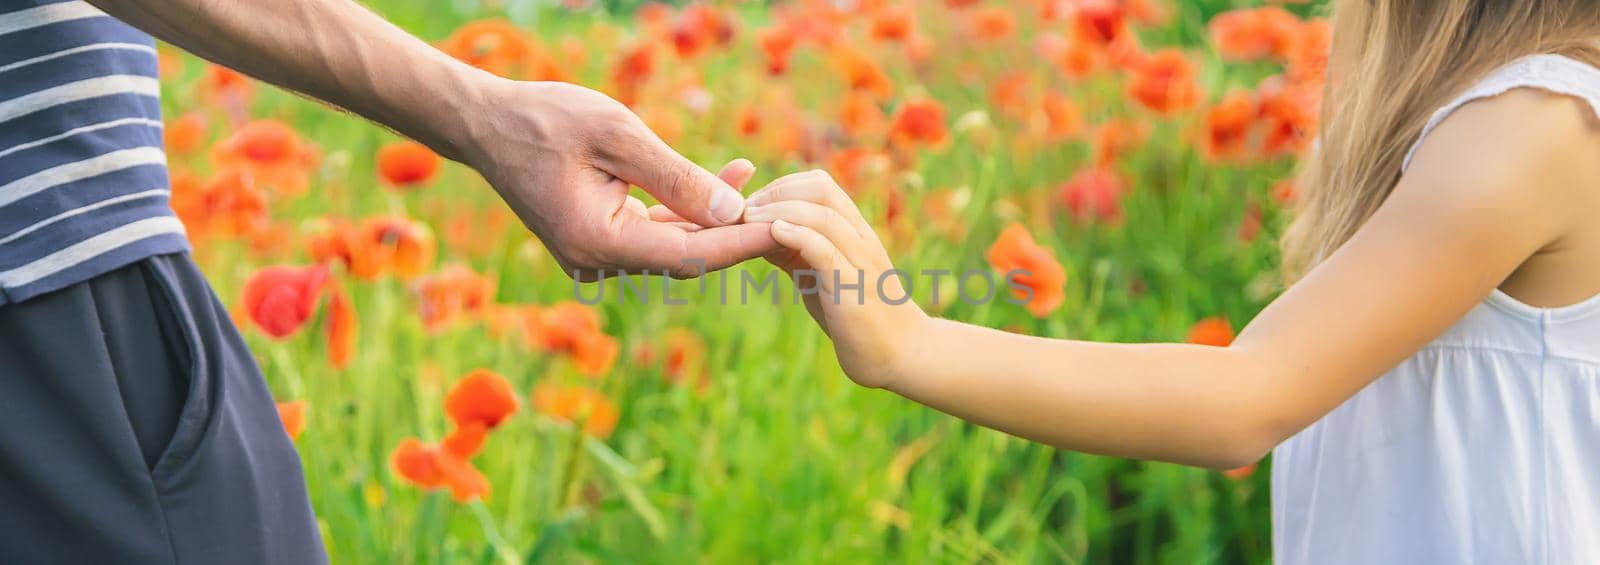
(492, 532)
(569, 476)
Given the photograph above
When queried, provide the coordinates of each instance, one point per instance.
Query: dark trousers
(135, 427)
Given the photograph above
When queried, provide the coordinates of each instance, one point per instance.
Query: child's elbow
(1245, 436)
(1245, 441)
(1238, 454)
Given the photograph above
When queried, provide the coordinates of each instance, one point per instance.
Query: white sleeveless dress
(1484, 447)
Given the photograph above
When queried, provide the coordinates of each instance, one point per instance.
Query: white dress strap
(1555, 73)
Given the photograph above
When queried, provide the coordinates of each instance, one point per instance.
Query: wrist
(457, 113)
(911, 350)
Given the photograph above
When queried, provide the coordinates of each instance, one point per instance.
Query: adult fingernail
(726, 205)
(782, 225)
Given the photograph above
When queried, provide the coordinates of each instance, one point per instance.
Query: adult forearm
(333, 50)
(1174, 402)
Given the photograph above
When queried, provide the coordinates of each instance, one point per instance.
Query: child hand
(858, 298)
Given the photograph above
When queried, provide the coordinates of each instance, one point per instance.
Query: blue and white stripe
(83, 178)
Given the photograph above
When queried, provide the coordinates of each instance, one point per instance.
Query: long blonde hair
(1394, 63)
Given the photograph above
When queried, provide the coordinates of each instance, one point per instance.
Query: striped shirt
(83, 178)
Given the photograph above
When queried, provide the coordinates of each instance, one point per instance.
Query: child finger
(816, 250)
(765, 193)
(819, 187)
(824, 220)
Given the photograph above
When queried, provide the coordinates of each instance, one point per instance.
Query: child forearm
(1187, 404)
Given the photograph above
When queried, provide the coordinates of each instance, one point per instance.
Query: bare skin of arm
(561, 155)
(1500, 181)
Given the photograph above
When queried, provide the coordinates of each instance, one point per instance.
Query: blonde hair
(1394, 63)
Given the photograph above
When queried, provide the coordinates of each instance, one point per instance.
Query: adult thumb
(682, 186)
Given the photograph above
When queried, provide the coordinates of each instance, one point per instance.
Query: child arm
(1466, 216)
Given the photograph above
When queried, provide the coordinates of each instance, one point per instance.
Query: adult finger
(635, 206)
(661, 213)
(736, 173)
(693, 192)
(642, 245)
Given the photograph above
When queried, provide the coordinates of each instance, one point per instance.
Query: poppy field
(453, 400)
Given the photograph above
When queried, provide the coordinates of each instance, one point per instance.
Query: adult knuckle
(679, 181)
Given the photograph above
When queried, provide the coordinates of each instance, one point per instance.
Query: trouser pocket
(150, 348)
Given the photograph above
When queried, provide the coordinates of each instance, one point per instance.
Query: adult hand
(563, 156)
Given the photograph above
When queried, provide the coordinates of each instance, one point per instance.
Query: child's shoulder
(1525, 131)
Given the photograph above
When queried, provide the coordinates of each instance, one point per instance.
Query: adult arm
(561, 155)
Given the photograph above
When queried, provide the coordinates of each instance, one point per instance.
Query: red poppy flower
(430, 467)
(686, 356)
(293, 415)
(699, 27)
(1094, 194)
(184, 135)
(417, 463)
(577, 404)
(1165, 82)
(595, 353)
(1214, 331)
(1241, 473)
(1308, 56)
(280, 299)
(465, 440)
(893, 23)
(860, 115)
(341, 329)
(861, 73)
(1254, 33)
(405, 164)
(1116, 138)
(1100, 22)
(271, 152)
(494, 45)
(391, 244)
(231, 204)
(1062, 119)
(1016, 251)
(918, 121)
(632, 69)
(1289, 117)
(226, 88)
(1227, 128)
(445, 296)
(574, 329)
(747, 122)
(331, 240)
(483, 397)
(777, 43)
(992, 23)
(1010, 94)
